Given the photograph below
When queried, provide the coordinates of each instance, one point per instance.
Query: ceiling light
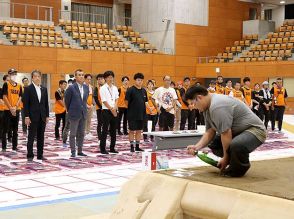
(282, 2)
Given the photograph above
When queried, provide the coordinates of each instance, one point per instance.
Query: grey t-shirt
(226, 112)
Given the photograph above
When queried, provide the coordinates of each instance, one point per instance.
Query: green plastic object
(206, 159)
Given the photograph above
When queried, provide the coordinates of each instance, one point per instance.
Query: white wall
(65, 14)
(156, 19)
(191, 12)
(279, 15)
(4, 8)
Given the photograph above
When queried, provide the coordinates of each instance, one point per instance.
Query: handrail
(68, 15)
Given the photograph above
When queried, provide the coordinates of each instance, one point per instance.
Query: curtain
(92, 13)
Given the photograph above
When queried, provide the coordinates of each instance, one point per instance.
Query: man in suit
(36, 109)
(76, 104)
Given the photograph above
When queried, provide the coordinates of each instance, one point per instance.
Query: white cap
(265, 83)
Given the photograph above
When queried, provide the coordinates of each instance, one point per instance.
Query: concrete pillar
(278, 15)
(5, 8)
(156, 19)
(118, 13)
(65, 12)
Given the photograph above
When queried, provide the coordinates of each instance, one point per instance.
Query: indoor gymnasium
(146, 109)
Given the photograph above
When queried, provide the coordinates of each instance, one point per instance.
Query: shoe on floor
(30, 159)
(139, 149)
(113, 151)
(82, 154)
(132, 149)
(3, 150)
(42, 158)
(104, 152)
(73, 155)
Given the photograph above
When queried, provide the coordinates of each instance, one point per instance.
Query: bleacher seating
(33, 34)
(136, 39)
(94, 36)
(277, 46)
(238, 48)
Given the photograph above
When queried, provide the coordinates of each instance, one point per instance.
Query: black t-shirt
(1, 95)
(136, 103)
(255, 96)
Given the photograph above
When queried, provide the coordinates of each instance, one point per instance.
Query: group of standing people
(267, 103)
(133, 106)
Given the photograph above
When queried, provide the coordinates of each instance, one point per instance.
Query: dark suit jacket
(75, 105)
(32, 107)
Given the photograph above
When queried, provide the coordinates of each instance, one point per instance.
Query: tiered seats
(33, 34)
(238, 47)
(277, 46)
(94, 36)
(136, 39)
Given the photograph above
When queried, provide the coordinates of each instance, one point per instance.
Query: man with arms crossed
(232, 130)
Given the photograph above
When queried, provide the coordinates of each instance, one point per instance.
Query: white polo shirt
(108, 94)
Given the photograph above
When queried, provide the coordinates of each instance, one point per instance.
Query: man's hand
(13, 110)
(191, 107)
(191, 149)
(223, 163)
(27, 121)
(47, 119)
(114, 112)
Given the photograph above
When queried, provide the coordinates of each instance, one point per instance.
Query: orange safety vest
(121, 100)
(149, 97)
(90, 97)
(238, 94)
(279, 96)
(247, 95)
(1, 106)
(219, 89)
(58, 107)
(211, 90)
(13, 95)
(99, 98)
(228, 90)
(184, 106)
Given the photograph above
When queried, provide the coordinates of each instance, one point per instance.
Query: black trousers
(238, 151)
(190, 115)
(278, 116)
(166, 120)
(264, 116)
(199, 118)
(10, 123)
(99, 123)
(59, 117)
(109, 123)
(36, 128)
(152, 118)
(24, 126)
(122, 112)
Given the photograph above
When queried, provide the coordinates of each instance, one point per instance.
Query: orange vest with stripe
(238, 94)
(121, 100)
(149, 97)
(219, 89)
(279, 96)
(247, 95)
(1, 105)
(228, 90)
(13, 95)
(90, 97)
(58, 107)
(184, 106)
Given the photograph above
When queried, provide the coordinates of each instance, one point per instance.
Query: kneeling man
(232, 130)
